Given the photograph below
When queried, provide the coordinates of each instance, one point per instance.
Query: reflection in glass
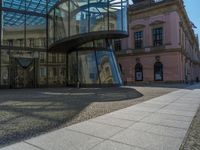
(98, 15)
(88, 73)
(124, 15)
(87, 16)
(56, 69)
(51, 27)
(78, 17)
(107, 68)
(72, 68)
(93, 67)
(4, 67)
(13, 29)
(42, 68)
(115, 14)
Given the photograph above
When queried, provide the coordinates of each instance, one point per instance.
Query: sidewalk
(158, 124)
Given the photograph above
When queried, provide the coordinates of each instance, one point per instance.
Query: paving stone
(131, 115)
(164, 116)
(146, 109)
(165, 122)
(20, 146)
(65, 139)
(180, 105)
(95, 129)
(187, 101)
(113, 121)
(151, 105)
(160, 130)
(147, 140)
(177, 112)
(181, 108)
(111, 145)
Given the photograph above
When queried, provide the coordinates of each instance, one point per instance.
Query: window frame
(157, 36)
(138, 39)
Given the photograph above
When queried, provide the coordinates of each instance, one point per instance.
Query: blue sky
(193, 10)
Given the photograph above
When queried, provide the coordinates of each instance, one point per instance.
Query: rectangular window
(117, 45)
(54, 72)
(157, 36)
(138, 36)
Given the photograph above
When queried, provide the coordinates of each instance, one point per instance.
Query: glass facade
(93, 67)
(76, 17)
(30, 27)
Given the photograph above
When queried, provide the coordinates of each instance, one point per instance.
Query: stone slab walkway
(158, 124)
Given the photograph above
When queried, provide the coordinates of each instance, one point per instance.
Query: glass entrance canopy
(85, 20)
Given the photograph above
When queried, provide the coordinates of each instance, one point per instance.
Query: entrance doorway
(22, 73)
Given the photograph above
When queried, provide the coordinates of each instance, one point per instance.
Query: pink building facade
(161, 46)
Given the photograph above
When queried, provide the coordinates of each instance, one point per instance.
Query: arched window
(138, 72)
(158, 71)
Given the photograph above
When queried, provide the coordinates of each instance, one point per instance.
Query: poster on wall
(158, 76)
(138, 76)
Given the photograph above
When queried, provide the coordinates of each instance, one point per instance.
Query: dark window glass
(54, 72)
(117, 45)
(158, 71)
(157, 36)
(138, 72)
(138, 36)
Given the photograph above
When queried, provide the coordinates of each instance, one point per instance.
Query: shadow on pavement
(25, 113)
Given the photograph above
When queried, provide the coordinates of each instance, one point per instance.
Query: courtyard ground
(25, 113)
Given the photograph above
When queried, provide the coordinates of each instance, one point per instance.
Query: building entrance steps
(158, 124)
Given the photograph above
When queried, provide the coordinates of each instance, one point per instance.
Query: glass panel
(15, 4)
(72, 68)
(115, 20)
(107, 68)
(38, 6)
(42, 68)
(4, 67)
(61, 21)
(98, 15)
(78, 17)
(124, 15)
(35, 32)
(88, 73)
(51, 28)
(56, 69)
(115, 69)
(13, 29)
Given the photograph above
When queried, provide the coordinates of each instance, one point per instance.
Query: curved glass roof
(17, 18)
(38, 6)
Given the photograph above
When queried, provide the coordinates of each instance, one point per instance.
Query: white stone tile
(165, 122)
(20, 146)
(145, 109)
(65, 139)
(164, 116)
(147, 140)
(160, 130)
(177, 112)
(131, 115)
(181, 108)
(113, 121)
(151, 105)
(95, 129)
(111, 145)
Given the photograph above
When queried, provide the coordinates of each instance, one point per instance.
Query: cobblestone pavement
(192, 141)
(25, 113)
